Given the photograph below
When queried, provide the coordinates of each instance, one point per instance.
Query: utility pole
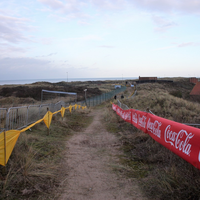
(85, 96)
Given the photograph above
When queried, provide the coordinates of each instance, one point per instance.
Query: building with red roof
(193, 80)
(195, 93)
(196, 89)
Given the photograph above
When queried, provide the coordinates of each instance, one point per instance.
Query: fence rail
(20, 117)
(125, 107)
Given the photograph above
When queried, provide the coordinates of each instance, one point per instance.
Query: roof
(147, 78)
(196, 89)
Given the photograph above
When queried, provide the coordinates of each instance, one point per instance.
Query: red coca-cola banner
(181, 139)
(124, 114)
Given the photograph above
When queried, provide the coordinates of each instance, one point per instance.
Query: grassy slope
(33, 170)
(13, 95)
(162, 174)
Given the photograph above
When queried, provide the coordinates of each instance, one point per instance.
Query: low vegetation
(33, 91)
(15, 95)
(163, 101)
(162, 174)
(33, 170)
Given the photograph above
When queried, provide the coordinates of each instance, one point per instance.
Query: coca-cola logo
(154, 127)
(142, 121)
(179, 140)
(114, 107)
(134, 118)
(118, 111)
(127, 116)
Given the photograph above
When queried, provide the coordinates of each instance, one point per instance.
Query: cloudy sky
(41, 39)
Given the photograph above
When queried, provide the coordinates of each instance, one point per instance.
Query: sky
(45, 39)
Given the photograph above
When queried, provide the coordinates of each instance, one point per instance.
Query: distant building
(151, 80)
(196, 89)
(147, 78)
(195, 93)
(193, 80)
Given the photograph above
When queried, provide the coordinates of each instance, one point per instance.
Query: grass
(161, 174)
(33, 170)
(162, 103)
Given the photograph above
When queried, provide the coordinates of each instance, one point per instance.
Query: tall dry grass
(161, 174)
(159, 100)
(34, 168)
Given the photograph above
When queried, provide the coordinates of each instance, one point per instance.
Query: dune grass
(161, 174)
(33, 170)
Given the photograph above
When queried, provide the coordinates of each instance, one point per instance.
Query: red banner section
(181, 139)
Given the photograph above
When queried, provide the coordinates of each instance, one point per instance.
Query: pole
(5, 147)
(41, 96)
(48, 132)
(4, 168)
(85, 99)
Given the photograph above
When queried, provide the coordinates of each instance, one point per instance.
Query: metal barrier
(3, 112)
(134, 93)
(22, 116)
(122, 106)
(125, 107)
(16, 117)
(33, 114)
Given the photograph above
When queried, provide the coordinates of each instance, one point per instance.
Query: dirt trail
(89, 162)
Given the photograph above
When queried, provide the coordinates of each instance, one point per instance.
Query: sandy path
(89, 162)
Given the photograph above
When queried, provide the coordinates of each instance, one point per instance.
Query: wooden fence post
(48, 131)
(4, 168)
(61, 113)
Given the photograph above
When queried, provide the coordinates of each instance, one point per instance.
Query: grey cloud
(18, 62)
(181, 45)
(188, 6)
(67, 10)
(186, 44)
(76, 5)
(111, 4)
(23, 68)
(11, 29)
(7, 49)
(67, 7)
(74, 9)
(55, 4)
(162, 23)
(51, 54)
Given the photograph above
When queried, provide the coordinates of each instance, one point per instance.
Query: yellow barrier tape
(70, 108)
(28, 127)
(84, 107)
(12, 135)
(132, 92)
(11, 139)
(56, 112)
(62, 111)
(47, 118)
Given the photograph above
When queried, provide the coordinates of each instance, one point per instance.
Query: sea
(29, 81)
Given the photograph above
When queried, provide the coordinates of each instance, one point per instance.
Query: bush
(176, 94)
